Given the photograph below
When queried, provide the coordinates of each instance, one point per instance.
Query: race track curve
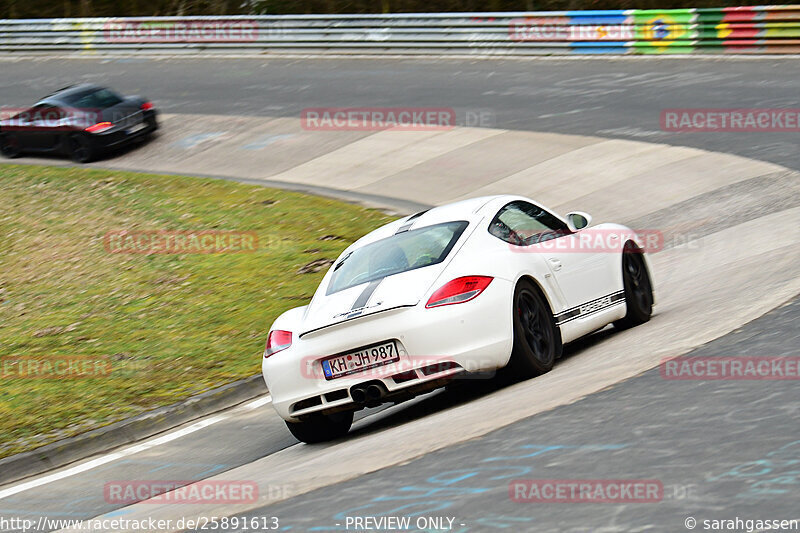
(731, 226)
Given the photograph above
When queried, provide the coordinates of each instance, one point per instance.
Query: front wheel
(537, 341)
(321, 428)
(10, 145)
(638, 290)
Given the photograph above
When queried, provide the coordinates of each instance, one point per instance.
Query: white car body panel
(584, 295)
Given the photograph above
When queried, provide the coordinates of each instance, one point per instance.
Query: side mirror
(577, 220)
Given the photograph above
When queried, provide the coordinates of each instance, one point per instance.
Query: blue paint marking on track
(119, 512)
(777, 472)
(193, 140)
(38, 512)
(263, 142)
(441, 491)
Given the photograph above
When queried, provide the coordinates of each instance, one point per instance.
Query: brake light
(100, 127)
(458, 291)
(278, 340)
(147, 106)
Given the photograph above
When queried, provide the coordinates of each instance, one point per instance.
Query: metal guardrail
(748, 30)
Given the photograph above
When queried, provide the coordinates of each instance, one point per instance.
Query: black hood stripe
(366, 294)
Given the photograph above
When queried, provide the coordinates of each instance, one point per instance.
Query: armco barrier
(751, 30)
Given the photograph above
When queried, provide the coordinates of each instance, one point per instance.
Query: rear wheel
(152, 124)
(537, 341)
(638, 290)
(80, 149)
(10, 146)
(321, 428)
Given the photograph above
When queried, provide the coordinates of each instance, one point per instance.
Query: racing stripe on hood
(365, 295)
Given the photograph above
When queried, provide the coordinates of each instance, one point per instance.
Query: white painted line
(94, 463)
(136, 448)
(255, 404)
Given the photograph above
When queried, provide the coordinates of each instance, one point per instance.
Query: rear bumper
(122, 137)
(434, 345)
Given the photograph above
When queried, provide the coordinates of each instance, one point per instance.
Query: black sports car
(81, 121)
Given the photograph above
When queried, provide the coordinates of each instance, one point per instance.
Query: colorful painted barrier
(751, 30)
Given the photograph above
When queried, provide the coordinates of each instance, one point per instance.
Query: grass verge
(169, 325)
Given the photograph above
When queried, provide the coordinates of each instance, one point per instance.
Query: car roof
(471, 210)
(58, 97)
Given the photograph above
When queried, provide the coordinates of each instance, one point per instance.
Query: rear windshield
(401, 252)
(93, 99)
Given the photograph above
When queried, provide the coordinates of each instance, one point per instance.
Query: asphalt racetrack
(618, 98)
(583, 132)
(711, 446)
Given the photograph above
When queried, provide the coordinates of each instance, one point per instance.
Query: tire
(152, 122)
(321, 428)
(80, 149)
(537, 340)
(638, 290)
(9, 146)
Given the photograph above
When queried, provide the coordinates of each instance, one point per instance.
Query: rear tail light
(458, 291)
(147, 106)
(100, 127)
(278, 340)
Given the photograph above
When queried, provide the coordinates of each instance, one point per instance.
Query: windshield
(401, 252)
(93, 99)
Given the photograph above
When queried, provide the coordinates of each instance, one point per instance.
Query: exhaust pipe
(374, 393)
(358, 394)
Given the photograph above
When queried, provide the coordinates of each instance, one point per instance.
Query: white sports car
(474, 286)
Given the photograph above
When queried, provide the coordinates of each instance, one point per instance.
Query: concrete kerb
(72, 449)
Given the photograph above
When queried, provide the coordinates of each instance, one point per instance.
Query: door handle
(555, 263)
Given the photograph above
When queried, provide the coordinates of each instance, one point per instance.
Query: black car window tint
(401, 252)
(522, 223)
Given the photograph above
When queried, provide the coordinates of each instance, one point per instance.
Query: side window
(522, 224)
(99, 99)
(45, 114)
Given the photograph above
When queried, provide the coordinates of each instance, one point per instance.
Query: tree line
(144, 8)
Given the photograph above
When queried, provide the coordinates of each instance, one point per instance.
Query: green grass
(171, 325)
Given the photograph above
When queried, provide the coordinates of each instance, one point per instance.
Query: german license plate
(358, 361)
